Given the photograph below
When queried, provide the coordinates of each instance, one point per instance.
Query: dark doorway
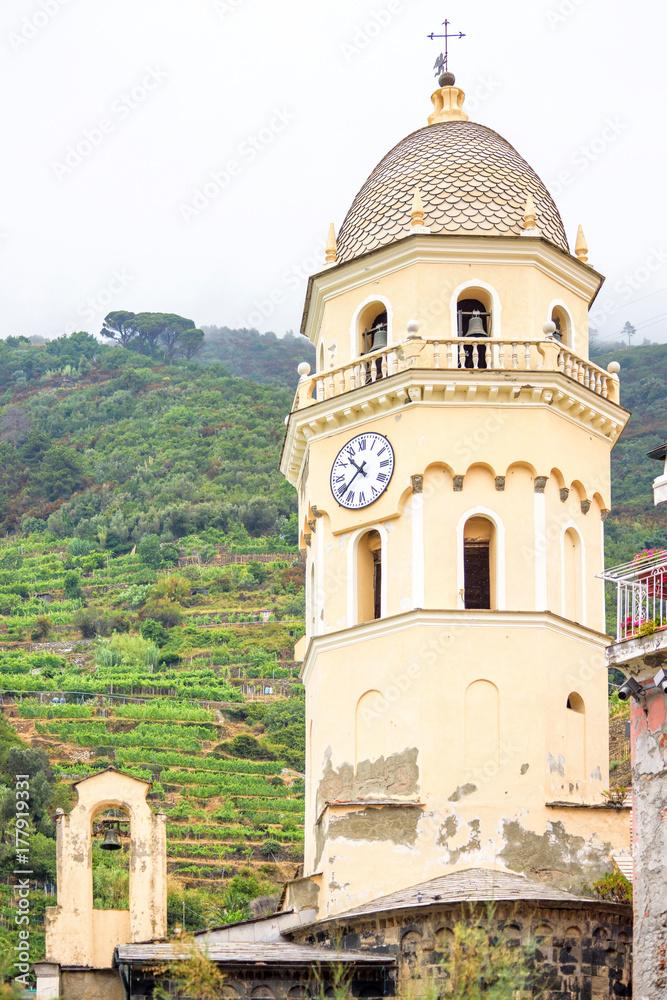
(477, 573)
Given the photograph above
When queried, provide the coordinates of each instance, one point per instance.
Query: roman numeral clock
(362, 470)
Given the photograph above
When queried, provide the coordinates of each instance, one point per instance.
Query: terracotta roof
(245, 953)
(472, 182)
(469, 886)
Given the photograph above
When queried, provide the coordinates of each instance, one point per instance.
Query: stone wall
(583, 951)
(649, 784)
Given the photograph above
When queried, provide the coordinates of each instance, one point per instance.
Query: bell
(379, 336)
(476, 326)
(111, 840)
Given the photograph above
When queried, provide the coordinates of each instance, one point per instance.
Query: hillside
(262, 357)
(634, 522)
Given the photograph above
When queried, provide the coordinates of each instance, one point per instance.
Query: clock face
(362, 470)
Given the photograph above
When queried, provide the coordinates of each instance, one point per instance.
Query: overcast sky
(187, 156)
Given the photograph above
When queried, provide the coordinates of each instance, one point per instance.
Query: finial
(529, 217)
(448, 101)
(417, 213)
(331, 249)
(580, 247)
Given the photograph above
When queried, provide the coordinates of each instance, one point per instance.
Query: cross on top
(441, 63)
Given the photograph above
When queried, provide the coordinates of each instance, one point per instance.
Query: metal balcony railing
(641, 594)
(459, 353)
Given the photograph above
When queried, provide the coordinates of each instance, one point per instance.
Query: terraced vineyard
(181, 676)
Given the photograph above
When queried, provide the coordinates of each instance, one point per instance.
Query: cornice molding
(512, 250)
(449, 387)
(419, 619)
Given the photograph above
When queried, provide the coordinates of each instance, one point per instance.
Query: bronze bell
(111, 840)
(476, 326)
(379, 336)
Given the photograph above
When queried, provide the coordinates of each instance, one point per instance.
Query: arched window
(369, 577)
(473, 322)
(479, 560)
(572, 579)
(482, 728)
(561, 317)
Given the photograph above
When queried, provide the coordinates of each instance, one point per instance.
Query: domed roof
(472, 182)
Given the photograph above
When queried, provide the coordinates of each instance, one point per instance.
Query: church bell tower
(451, 453)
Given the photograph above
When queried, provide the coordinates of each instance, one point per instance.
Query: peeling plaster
(556, 766)
(397, 824)
(397, 775)
(462, 791)
(563, 857)
(524, 768)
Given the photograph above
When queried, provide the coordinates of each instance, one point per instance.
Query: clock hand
(360, 469)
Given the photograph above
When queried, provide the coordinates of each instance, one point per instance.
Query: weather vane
(441, 63)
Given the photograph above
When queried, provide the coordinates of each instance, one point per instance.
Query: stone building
(641, 653)
(451, 454)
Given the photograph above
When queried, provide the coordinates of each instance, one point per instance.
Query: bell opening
(473, 318)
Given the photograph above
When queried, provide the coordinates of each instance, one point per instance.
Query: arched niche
(574, 749)
(370, 727)
(482, 729)
(573, 577)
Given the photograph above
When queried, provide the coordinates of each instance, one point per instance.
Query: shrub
(80, 546)
(168, 613)
(92, 621)
(154, 631)
(271, 848)
(42, 628)
(614, 887)
(149, 551)
(72, 585)
(257, 571)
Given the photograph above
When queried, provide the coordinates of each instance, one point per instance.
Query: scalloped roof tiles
(472, 182)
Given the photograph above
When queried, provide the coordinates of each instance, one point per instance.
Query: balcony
(461, 354)
(641, 595)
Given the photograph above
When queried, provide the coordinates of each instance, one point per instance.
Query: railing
(641, 594)
(477, 354)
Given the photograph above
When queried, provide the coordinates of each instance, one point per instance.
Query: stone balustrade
(458, 354)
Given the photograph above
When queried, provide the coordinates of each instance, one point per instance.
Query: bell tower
(452, 458)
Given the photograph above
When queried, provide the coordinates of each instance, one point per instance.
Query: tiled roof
(245, 953)
(469, 886)
(472, 182)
